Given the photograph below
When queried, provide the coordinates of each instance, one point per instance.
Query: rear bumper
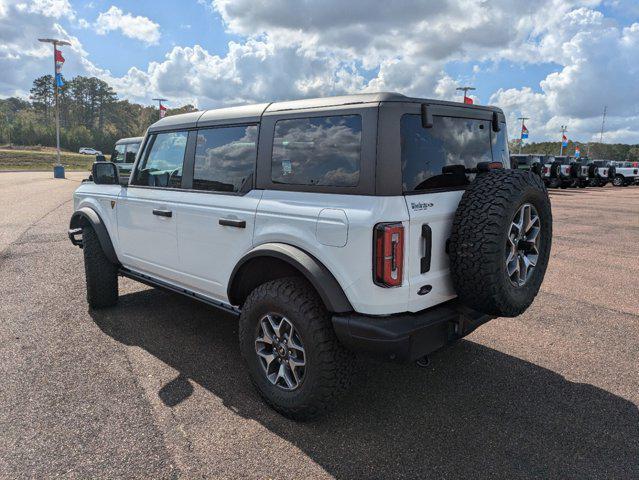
(410, 336)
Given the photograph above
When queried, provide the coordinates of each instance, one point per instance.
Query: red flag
(58, 56)
(162, 111)
(468, 100)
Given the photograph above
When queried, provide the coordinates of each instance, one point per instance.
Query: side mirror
(105, 173)
(100, 158)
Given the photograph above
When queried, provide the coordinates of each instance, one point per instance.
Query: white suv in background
(372, 223)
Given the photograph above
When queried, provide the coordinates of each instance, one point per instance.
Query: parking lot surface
(155, 387)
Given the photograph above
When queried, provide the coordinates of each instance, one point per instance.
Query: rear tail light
(545, 170)
(388, 254)
(568, 169)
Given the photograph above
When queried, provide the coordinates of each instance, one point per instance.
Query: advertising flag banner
(564, 140)
(162, 111)
(524, 132)
(577, 152)
(468, 100)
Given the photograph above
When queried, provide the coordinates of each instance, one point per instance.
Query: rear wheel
(292, 354)
(618, 181)
(101, 275)
(500, 242)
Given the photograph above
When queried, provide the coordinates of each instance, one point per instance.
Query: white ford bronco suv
(372, 223)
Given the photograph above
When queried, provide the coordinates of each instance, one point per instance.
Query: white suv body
(191, 250)
(357, 221)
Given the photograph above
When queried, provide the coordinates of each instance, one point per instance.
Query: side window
(118, 154)
(500, 147)
(162, 166)
(225, 158)
(131, 151)
(317, 151)
(426, 152)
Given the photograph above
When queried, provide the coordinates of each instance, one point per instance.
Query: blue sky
(556, 61)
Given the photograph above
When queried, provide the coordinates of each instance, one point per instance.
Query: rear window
(317, 151)
(451, 141)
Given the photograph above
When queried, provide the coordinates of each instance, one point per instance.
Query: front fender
(86, 216)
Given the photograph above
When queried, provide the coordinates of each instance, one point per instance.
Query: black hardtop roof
(252, 113)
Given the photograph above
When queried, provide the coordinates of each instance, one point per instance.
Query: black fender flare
(87, 215)
(311, 268)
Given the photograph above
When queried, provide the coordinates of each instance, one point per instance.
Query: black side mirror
(105, 173)
(100, 158)
(496, 126)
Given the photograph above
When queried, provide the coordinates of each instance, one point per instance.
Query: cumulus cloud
(136, 27)
(288, 49)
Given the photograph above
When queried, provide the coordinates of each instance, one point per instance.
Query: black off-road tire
(329, 366)
(479, 241)
(101, 274)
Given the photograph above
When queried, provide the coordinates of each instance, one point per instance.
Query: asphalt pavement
(155, 387)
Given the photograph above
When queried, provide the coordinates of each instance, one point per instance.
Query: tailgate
(427, 268)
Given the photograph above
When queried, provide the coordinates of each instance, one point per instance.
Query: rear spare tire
(500, 242)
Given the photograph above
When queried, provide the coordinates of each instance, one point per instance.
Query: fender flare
(85, 215)
(311, 268)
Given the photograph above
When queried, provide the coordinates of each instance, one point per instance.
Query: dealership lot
(155, 387)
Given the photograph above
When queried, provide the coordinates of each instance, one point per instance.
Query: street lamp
(55, 43)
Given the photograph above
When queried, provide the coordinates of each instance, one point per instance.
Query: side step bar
(153, 282)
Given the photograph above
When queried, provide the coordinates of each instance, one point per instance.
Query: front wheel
(618, 181)
(101, 274)
(290, 349)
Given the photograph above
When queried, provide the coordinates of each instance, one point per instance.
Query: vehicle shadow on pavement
(473, 412)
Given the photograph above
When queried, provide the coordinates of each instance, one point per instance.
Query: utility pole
(160, 100)
(521, 135)
(564, 128)
(465, 90)
(55, 92)
(603, 120)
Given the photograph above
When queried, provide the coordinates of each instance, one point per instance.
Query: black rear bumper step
(407, 337)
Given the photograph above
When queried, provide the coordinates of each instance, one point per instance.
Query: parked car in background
(89, 151)
(124, 154)
(527, 162)
(558, 173)
(625, 174)
(605, 172)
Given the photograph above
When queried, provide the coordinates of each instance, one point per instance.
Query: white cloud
(292, 49)
(136, 27)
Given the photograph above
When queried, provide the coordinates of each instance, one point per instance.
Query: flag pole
(55, 93)
(521, 135)
(563, 132)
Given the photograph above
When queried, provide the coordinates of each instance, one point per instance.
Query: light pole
(564, 128)
(521, 137)
(160, 100)
(465, 90)
(55, 92)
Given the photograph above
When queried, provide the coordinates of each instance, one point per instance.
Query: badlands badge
(421, 205)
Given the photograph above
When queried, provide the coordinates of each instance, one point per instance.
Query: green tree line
(91, 115)
(594, 150)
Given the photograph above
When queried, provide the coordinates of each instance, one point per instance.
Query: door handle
(162, 213)
(232, 222)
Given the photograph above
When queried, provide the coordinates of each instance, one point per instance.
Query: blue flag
(58, 80)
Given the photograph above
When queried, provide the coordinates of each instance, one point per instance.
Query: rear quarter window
(322, 151)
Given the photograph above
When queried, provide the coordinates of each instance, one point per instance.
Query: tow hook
(423, 362)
